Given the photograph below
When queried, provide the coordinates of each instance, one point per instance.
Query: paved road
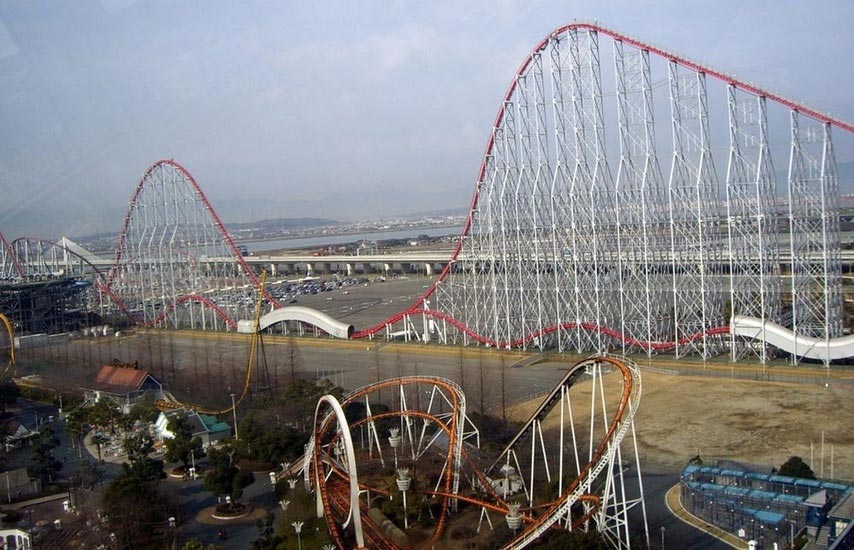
(677, 534)
(195, 498)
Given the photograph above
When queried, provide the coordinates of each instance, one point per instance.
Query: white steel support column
(754, 262)
(602, 205)
(639, 201)
(695, 239)
(560, 202)
(814, 227)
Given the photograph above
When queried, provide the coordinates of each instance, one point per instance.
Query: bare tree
(159, 347)
(194, 357)
(377, 367)
(207, 360)
(462, 363)
(292, 356)
(503, 369)
(481, 392)
(172, 353)
(276, 369)
(219, 355)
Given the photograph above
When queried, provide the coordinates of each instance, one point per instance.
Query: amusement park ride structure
(569, 244)
(566, 467)
(558, 251)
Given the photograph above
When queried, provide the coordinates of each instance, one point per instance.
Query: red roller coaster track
(219, 227)
(418, 307)
(217, 222)
(13, 257)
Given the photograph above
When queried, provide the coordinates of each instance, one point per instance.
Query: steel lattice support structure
(576, 238)
(641, 215)
(557, 252)
(10, 266)
(814, 224)
(175, 264)
(577, 441)
(695, 244)
(754, 264)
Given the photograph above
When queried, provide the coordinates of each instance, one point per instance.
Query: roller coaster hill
(572, 467)
(679, 237)
(568, 246)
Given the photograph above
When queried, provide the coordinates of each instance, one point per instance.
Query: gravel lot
(756, 422)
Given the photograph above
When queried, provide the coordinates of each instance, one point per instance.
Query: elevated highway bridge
(429, 262)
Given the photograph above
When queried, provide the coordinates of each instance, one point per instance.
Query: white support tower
(754, 262)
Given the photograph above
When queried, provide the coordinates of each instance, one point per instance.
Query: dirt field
(749, 421)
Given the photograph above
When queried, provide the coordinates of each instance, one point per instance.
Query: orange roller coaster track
(586, 496)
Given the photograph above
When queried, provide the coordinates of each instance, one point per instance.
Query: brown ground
(750, 421)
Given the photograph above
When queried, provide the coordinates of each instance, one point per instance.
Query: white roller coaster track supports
(605, 461)
(355, 514)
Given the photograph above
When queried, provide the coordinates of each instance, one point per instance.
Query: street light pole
(234, 415)
(662, 537)
(298, 528)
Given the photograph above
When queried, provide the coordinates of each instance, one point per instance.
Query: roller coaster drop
(565, 468)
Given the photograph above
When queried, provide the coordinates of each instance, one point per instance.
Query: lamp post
(298, 528)
(403, 483)
(513, 517)
(662, 537)
(234, 415)
(394, 440)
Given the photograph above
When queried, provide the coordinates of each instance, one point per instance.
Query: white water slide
(306, 315)
(824, 349)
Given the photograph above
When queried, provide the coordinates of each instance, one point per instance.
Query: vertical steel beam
(814, 229)
(639, 200)
(754, 263)
(695, 230)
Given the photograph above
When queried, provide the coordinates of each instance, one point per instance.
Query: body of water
(331, 240)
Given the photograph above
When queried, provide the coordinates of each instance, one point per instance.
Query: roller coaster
(569, 244)
(565, 468)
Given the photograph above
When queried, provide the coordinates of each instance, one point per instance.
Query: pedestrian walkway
(32, 502)
(107, 455)
(674, 504)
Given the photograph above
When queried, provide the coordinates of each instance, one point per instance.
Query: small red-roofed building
(124, 384)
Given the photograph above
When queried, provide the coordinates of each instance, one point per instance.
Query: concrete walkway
(35, 501)
(674, 504)
(106, 454)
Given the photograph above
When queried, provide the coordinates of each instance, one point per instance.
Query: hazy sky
(312, 108)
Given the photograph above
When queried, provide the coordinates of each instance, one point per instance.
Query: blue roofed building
(204, 426)
(767, 508)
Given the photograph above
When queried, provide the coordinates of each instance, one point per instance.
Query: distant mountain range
(281, 211)
(51, 221)
(282, 223)
(362, 205)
